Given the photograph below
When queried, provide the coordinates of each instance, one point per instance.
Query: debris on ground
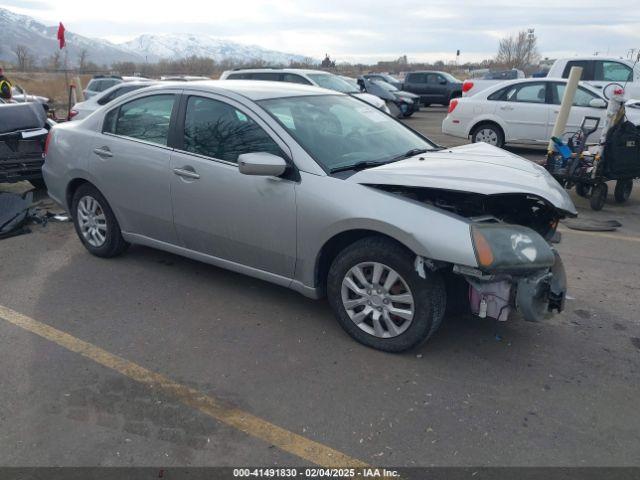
(591, 225)
(18, 210)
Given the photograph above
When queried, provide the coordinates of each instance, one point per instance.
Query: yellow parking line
(624, 238)
(285, 440)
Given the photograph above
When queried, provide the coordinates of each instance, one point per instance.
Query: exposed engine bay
(496, 295)
(513, 208)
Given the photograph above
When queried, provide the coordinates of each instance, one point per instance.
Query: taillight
(73, 113)
(452, 105)
(466, 86)
(46, 143)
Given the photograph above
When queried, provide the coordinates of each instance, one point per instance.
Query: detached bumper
(542, 293)
(534, 295)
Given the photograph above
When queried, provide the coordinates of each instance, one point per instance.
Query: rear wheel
(488, 133)
(380, 300)
(623, 189)
(95, 223)
(598, 196)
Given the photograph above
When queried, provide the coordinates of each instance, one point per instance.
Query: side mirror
(261, 163)
(597, 103)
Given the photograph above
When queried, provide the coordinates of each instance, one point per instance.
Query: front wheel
(598, 196)
(380, 300)
(623, 189)
(488, 133)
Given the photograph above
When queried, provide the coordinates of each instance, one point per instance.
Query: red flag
(61, 36)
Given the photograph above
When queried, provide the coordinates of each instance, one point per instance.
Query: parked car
(83, 109)
(305, 77)
(23, 133)
(522, 111)
(489, 79)
(100, 83)
(384, 77)
(400, 103)
(433, 87)
(601, 71)
(319, 192)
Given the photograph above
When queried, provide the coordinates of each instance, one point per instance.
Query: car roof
(303, 71)
(251, 89)
(514, 81)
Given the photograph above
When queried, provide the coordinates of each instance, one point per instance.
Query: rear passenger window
(216, 129)
(146, 119)
(417, 78)
(527, 93)
(274, 77)
(587, 72)
(613, 72)
(292, 78)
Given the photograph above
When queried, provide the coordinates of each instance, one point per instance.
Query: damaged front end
(517, 268)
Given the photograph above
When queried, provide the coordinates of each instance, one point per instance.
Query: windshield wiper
(356, 166)
(409, 153)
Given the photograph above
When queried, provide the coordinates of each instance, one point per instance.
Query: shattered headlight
(510, 247)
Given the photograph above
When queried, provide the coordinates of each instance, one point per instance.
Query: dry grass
(50, 85)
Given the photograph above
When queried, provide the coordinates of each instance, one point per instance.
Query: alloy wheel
(377, 299)
(487, 135)
(92, 221)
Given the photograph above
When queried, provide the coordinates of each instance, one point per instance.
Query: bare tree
(54, 62)
(23, 58)
(519, 51)
(83, 57)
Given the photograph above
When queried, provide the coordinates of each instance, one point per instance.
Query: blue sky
(352, 30)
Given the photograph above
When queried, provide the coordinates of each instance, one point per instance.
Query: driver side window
(216, 129)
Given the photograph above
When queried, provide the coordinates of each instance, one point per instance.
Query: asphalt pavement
(156, 360)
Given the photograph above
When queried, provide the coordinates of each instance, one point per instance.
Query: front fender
(427, 231)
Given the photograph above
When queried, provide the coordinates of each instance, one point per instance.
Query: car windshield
(339, 131)
(450, 77)
(332, 82)
(386, 86)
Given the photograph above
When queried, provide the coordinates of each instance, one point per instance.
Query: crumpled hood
(477, 167)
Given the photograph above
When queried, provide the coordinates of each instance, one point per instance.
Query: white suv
(306, 77)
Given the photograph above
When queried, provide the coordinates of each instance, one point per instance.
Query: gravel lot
(563, 392)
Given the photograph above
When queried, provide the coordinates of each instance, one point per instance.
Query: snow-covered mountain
(41, 42)
(173, 46)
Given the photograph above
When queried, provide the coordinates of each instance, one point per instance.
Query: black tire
(583, 190)
(429, 294)
(408, 114)
(598, 196)
(113, 244)
(623, 189)
(488, 126)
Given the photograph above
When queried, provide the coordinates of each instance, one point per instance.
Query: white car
(83, 109)
(306, 77)
(522, 111)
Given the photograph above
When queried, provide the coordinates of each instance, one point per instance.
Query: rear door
(244, 219)
(525, 112)
(130, 164)
(417, 83)
(437, 91)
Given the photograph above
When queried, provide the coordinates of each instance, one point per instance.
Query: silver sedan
(319, 192)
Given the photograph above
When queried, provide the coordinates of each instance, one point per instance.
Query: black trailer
(23, 132)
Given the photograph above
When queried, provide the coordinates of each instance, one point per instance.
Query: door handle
(103, 152)
(186, 172)
(506, 108)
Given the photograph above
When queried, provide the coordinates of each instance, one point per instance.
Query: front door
(248, 220)
(581, 108)
(129, 162)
